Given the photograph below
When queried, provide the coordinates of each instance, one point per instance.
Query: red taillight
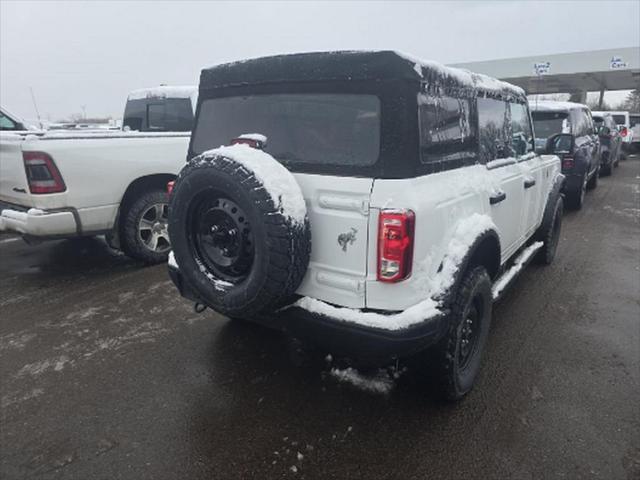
(170, 187)
(395, 244)
(623, 132)
(567, 163)
(253, 143)
(42, 174)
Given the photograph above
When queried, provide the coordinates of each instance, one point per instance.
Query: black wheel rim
(222, 239)
(470, 333)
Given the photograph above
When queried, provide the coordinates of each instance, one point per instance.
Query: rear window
(634, 120)
(619, 119)
(321, 129)
(547, 124)
(159, 115)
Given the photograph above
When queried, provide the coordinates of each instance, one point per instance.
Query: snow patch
(552, 106)
(277, 180)
(257, 137)
(172, 261)
(164, 91)
(519, 263)
(379, 382)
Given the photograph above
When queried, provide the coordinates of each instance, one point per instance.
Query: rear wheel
(143, 229)
(459, 353)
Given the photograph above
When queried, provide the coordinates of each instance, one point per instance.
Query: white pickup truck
(61, 185)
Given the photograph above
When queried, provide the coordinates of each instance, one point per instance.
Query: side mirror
(561, 143)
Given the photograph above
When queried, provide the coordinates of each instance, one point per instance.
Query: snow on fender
(239, 230)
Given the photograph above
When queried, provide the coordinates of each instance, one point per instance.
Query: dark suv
(610, 141)
(567, 129)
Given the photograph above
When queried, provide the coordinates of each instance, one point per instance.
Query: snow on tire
(239, 230)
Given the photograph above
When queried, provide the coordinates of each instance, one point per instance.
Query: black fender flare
(547, 217)
(476, 255)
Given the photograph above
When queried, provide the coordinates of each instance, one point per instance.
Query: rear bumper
(572, 182)
(35, 222)
(362, 344)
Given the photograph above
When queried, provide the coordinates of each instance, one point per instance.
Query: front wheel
(144, 235)
(459, 353)
(550, 236)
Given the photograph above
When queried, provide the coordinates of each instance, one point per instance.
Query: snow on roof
(551, 106)
(463, 76)
(164, 91)
(349, 65)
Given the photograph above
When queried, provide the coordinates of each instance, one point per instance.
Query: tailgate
(338, 209)
(13, 178)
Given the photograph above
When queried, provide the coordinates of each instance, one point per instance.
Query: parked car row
(368, 203)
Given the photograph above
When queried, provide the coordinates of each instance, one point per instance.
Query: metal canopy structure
(575, 73)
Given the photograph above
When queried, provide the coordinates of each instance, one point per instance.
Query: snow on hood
(550, 106)
(466, 232)
(277, 180)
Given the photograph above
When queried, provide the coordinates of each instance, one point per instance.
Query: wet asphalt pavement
(107, 373)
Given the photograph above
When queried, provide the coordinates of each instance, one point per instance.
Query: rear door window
(619, 119)
(447, 139)
(493, 129)
(521, 133)
(320, 129)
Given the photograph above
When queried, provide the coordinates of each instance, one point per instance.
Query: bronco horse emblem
(345, 239)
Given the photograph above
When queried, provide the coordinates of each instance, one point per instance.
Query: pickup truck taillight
(395, 244)
(42, 174)
(170, 187)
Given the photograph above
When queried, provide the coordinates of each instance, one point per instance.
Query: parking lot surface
(107, 373)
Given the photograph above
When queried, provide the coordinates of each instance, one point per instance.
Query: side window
(155, 116)
(579, 122)
(447, 138)
(6, 123)
(494, 128)
(521, 133)
(178, 115)
(590, 127)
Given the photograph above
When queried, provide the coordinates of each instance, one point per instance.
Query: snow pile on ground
(519, 263)
(277, 180)
(465, 234)
(378, 382)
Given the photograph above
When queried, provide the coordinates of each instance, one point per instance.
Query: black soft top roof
(350, 65)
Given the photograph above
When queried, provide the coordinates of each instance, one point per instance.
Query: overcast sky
(93, 53)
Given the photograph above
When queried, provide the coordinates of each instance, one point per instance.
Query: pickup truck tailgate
(13, 178)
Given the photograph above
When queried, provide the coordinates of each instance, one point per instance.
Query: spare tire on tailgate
(239, 230)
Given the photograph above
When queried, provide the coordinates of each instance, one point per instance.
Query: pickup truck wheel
(551, 235)
(459, 353)
(144, 228)
(238, 250)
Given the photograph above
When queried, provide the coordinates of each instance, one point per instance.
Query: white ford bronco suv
(368, 202)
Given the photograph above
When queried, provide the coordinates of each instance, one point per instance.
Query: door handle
(529, 183)
(497, 197)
